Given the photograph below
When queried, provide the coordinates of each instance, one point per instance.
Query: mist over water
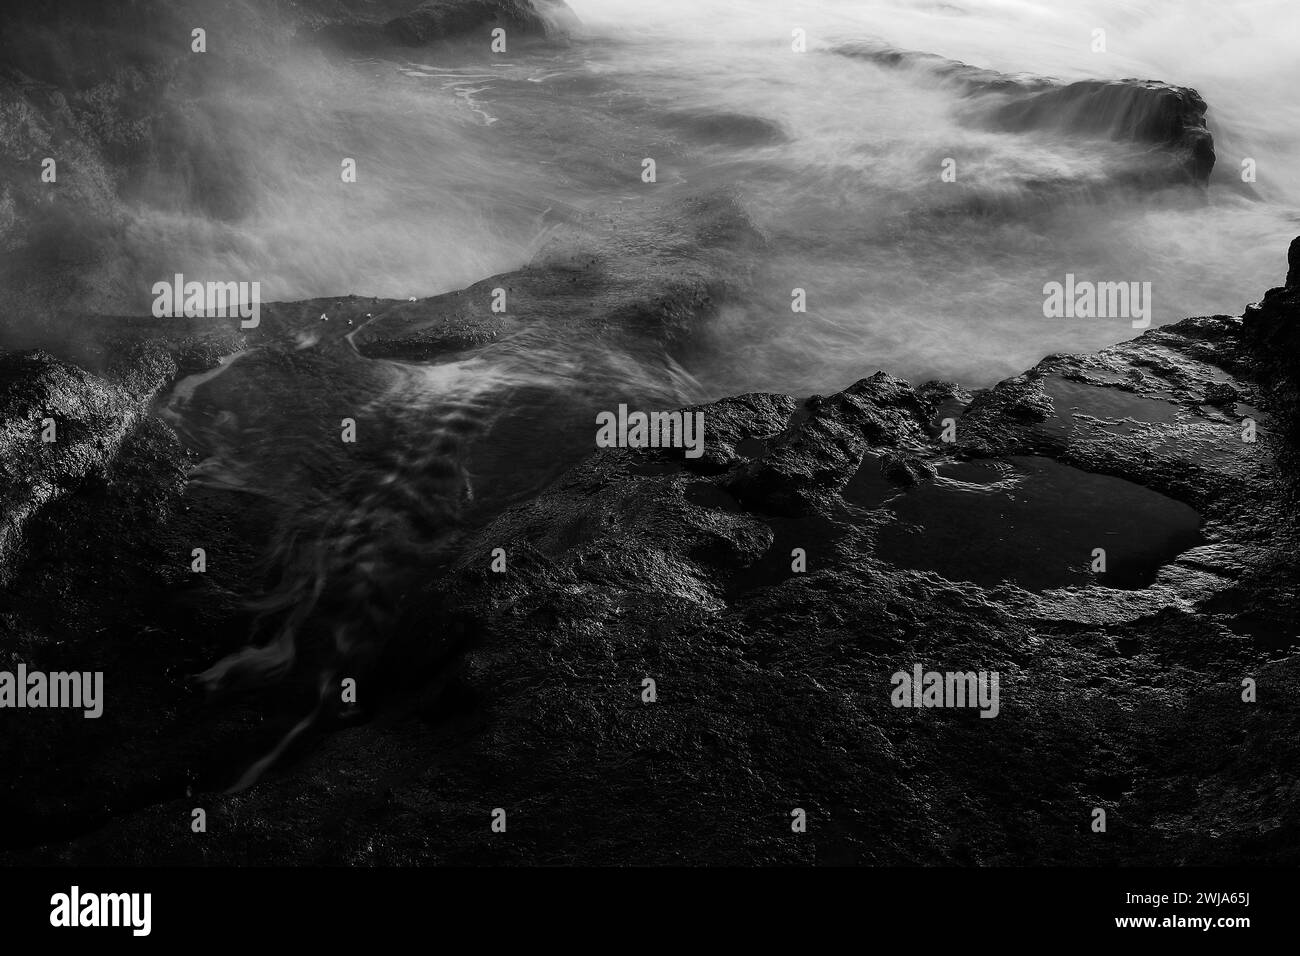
(856, 206)
(467, 163)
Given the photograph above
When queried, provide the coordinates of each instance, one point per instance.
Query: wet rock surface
(653, 274)
(1141, 111)
(769, 588)
(1145, 112)
(171, 434)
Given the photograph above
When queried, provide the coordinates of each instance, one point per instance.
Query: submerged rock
(970, 79)
(411, 23)
(621, 280)
(445, 19)
(1144, 112)
(1139, 111)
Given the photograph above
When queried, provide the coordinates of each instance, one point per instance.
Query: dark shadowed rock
(1272, 331)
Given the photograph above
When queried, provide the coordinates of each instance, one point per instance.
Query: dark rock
(88, 418)
(1271, 331)
(906, 470)
(1140, 111)
(821, 454)
(1120, 688)
(1131, 110)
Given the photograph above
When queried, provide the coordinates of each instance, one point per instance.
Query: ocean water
(467, 161)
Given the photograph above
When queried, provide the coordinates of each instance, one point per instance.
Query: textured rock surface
(1120, 690)
(116, 505)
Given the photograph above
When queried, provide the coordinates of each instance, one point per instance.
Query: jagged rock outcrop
(1273, 336)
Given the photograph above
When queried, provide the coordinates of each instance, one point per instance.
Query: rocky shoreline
(769, 589)
(1120, 690)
